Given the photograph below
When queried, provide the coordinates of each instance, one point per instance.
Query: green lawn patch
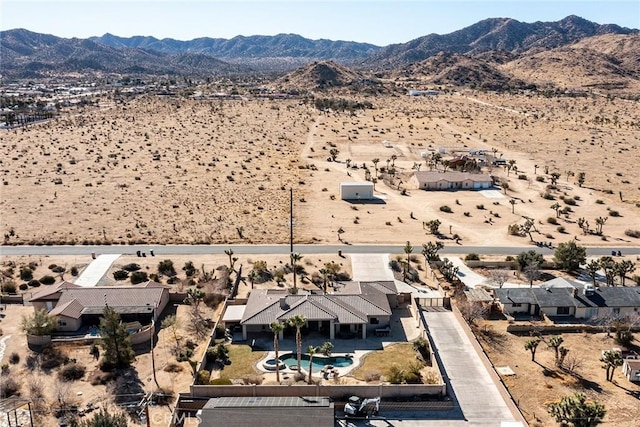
(379, 361)
(242, 360)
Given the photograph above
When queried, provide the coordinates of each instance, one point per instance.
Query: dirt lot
(182, 171)
(532, 389)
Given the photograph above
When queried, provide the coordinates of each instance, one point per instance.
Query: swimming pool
(318, 363)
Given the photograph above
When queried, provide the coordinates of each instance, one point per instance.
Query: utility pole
(291, 219)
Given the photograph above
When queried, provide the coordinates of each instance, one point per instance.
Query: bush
(138, 277)
(131, 267)
(221, 381)
(9, 288)
(540, 178)
(600, 202)
(480, 207)
(71, 372)
(57, 269)
(34, 283)
(547, 196)
(9, 386)
(562, 229)
(624, 337)
(570, 201)
(252, 380)
(614, 213)
(552, 220)
(395, 375)
(120, 275)
(23, 286)
(14, 358)
(472, 257)
(74, 271)
(173, 367)
(203, 377)
(445, 208)
(632, 233)
(26, 274)
(47, 280)
(166, 268)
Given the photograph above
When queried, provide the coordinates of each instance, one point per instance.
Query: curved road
(285, 249)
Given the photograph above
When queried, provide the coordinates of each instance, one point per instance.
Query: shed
(356, 190)
(286, 411)
(631, 369)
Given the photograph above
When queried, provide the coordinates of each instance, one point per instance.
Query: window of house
(616, 310)
(563, 310)
(374, 321)
(516, 304)
(62, 323)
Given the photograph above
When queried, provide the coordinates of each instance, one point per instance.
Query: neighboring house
(351, 311)
(75, 306)
(452, 180)
(561, 298)
(356, 190)
(631, 369)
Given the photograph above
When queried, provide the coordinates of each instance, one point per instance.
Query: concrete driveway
(371, 267)
(94, 271)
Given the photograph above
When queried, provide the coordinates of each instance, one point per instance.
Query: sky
(380, 22)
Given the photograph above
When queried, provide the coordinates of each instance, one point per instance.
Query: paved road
(284, 249)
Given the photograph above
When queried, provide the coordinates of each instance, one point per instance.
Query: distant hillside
(327, 75)
(265, 52)
(31, 55)
(494, 34)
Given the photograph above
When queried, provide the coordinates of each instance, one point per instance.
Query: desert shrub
(131, 267)
(372, 376)
(9, 386)
(14, 358)
(71, 372)
(23, 286)
(522, 177)
(480, 207)
(395, 375)
(34, 283)
(47, 280)
(514, 230)
(547, 196)
(421, 345)
(184, 355)
(173, 367)
(51, 358)
(52, 266)
(632, 233)
(540, 178)
(9, 288)
(221, 381)
(203, 377)
(624, 337)
(166, 268)
(395, 266)
(576, 197)
(467, 214)
(509, 258)
(252, 379)
(213, 299)
(562, 229)
(74, 271)
(120, 275)
(57, 269)
(570, 201)
(472, 257)
(552, 220)
(189, 269)
(614, 213)
(600, 202)
(26, 274)
(138, 277)
(445, 208)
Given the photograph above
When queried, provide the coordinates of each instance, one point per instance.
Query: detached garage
(356, 190)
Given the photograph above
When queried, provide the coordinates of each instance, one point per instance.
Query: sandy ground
(532, 390)
(182, 171)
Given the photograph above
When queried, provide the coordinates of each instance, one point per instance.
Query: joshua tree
(608, 265)
(276, 328)
(611, 359)
(340, 233)
(393, 160)
(576, 411)
(434, 226)
(295, 257)
(505, 187)
(430, 251)
(334, 153)
(554, 178)
(298, 321)
(513, 205)
(532, 346)
(510, 165)
(581, 178)
(599, 223)
(592, 268)
(347, 162)
(325, 273)
(624, 267)
(556, 207)
(232, 260)
(555, 342)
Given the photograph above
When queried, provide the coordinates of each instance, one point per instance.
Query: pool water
(318, 363)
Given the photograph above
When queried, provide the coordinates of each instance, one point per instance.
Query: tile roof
(450, 176)
(52, 292)
(264, 306)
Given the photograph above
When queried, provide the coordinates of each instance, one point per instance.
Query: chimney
(283, 303)
(575, 292)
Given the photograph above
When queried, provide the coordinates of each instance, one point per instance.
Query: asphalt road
(452, 249)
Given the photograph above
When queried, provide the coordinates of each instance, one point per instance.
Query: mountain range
(486, 52)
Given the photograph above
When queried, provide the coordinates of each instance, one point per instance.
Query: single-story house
(451, 180)
(560, 297)
(352, 309)
(75, 306)
(356, 190)
(273, 411)
(631, 369)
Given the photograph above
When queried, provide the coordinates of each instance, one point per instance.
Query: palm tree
(276, 328)
(295, 257)
(375, 165)
(298, 321)
(407, 250)
(311, 351)
(325, 273)
(252, 276)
